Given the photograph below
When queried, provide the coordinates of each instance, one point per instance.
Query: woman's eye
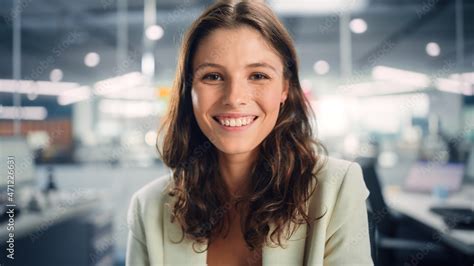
(259, 76)
(212, 77)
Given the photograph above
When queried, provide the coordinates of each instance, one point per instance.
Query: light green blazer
(339, 238)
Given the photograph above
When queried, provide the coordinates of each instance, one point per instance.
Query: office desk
(75, 230)
(417, 205)
(29, 224)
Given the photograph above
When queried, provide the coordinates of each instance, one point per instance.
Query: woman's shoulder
(338, 176)
(338, 204)
(155, 191)
(144, 211)
(329, 165)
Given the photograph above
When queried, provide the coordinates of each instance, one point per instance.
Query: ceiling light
(401, 76)
(24, 113)
(35, 87)
(309, 7)
(433, 49)
(116, 84)
(92, 59)
(56, 75)
(154, 32)
(358, 26)
(321, 67)
(74, 95)
(150, 138)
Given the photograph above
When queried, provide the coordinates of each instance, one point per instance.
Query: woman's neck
(235, 169)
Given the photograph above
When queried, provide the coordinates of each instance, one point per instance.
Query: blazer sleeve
(137, 254)
(347, 241)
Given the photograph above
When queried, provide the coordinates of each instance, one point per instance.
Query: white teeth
(236, 122)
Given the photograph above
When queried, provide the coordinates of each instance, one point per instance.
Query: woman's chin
(234, 148)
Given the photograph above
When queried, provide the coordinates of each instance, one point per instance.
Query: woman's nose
(236, 92)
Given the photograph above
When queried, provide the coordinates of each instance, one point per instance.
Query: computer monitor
(469, 176)
(425, 176)
(16, 154)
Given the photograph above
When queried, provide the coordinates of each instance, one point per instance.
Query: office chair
(372, 235)
(396, 237)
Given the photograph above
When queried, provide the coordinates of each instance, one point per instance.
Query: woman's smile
(235, 123)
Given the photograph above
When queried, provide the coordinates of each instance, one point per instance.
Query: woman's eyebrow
(204, 65)
(257, 64)
(262, 64)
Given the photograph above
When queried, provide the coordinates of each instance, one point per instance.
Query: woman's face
(238, 85)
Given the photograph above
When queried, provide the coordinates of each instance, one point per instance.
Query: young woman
(250, 185)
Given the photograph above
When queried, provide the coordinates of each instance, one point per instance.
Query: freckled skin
(231, 85)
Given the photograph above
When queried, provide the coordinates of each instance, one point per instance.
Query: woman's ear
(284, 92)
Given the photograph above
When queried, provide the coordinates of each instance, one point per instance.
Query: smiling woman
(250, 184)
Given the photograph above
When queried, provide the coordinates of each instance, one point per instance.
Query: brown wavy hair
(283, 177)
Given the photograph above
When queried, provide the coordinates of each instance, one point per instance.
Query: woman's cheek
(269, 92)
(270, 100)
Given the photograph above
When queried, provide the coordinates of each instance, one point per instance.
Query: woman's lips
(235, 123)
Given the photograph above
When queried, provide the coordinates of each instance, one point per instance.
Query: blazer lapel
(291, 254)
(181, 253)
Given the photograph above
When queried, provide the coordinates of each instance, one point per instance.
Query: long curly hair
(283, 177)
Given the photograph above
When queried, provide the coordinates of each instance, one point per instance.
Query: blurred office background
(83, 85)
